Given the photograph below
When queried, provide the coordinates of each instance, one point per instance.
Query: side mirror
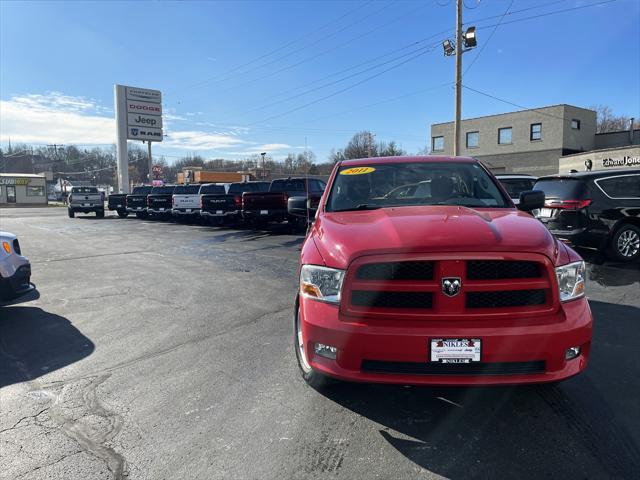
(531, 200)
(300, 207)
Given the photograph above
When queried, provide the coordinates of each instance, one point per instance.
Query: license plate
(218, 212)
(118, 206)
(162, 209)
(188, 210)
(545, 212)
(455, 350)
(86, 204)
(138, 208)
(264, 212)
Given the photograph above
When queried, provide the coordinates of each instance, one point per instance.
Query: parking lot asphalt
(164, 350)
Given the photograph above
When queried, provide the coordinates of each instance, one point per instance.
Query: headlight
(571, 279)
(321, 283)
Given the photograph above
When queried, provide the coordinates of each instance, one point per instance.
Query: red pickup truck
(421, 270)
(264, 207)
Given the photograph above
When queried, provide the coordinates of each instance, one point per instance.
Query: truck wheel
(71, 213)
(313, 378)
(625, 243)
(99, 213)
(123, 213)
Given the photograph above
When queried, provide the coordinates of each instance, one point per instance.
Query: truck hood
(343, 236)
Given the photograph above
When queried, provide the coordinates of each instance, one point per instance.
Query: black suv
(598, 210)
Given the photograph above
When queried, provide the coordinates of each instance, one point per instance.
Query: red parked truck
(263, 207)
(421, 270)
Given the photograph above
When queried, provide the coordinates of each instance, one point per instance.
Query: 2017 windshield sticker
(357, 171)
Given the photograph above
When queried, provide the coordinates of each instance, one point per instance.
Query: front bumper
(16, 285)
(361, 343)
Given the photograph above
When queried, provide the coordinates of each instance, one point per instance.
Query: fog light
(572, 352)
(326, 351)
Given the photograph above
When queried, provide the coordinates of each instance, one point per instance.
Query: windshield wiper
(362, 206)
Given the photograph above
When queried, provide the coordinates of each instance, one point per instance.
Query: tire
(313, 378)
(99, 213)
(123, 213)
(625, 243)
(71, 213)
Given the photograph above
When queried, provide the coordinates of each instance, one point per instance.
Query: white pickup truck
(186, 200)
(85, 200)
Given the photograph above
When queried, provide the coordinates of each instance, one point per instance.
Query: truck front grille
(396, 271)
(501, 269)
(414, 287)
(374, 299)
(505, 298)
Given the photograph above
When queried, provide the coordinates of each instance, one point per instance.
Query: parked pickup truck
(137, 200)
(271, 206)
(118, 202)
(160, 201)
(85, 200)
(186, 201)
(452, 285)
(224, 202)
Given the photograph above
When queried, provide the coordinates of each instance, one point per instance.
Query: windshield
(561, 188)
(165, 190)
(410, 184)
(514, 186)
(186, 190)
(212, 190)
(141, 190)
(84, 190)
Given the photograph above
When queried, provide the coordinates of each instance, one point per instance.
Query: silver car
(15, 270)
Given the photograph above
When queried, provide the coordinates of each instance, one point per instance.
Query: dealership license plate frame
(455, 354)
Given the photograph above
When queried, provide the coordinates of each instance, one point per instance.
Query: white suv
(15, 270)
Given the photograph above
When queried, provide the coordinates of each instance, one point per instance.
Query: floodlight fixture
(448, 47)
(470, 39)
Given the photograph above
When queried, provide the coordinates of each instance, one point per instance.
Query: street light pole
(459, 51)
(150, 162)
(263, 165)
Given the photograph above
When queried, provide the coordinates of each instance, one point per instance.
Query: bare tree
(607, 121)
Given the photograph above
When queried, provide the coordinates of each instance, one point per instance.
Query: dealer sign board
(144, 114)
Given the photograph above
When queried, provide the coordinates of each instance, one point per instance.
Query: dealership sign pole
(138, 117)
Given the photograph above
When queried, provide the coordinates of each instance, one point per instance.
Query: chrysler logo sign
(451, 286)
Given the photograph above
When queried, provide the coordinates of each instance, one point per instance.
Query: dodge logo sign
(451, 286)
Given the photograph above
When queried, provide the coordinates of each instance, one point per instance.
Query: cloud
(54, 118)
(197, 140)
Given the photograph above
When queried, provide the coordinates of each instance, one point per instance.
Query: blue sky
(243, 77)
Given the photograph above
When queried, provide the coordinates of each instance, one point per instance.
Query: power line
(486, 42)
(539, 110)
(346, 88)
(224, 78)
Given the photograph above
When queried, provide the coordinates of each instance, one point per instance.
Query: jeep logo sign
(141, 120)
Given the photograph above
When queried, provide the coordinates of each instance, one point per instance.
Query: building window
(536, 132)
(575, 124)
(472, 139)
(35, 191)
(437, 144)
(504, 135)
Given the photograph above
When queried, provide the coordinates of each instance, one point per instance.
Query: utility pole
(459, 51)
(263, 165)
